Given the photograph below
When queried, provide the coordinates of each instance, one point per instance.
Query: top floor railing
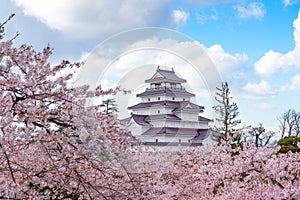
(165, 87)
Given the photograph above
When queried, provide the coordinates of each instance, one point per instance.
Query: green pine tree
(109, 106)
(227, 113)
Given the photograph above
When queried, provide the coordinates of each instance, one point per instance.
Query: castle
(166, 116)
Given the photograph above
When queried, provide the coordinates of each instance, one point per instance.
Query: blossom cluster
(52, 146)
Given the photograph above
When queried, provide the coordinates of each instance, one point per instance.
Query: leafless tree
(289, 123)
(259, 136)
(297, 123)
(283, 124)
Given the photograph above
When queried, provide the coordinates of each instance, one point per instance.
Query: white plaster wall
(165, 98)
(135, 129)
(163, 138)
(187, 116)
(153, 111)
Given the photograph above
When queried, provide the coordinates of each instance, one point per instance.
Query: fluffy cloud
(258, 90)
(93, 18)
(293, 85)
(290, 2)
(129, 65)
(253, 10)
(180, 16)
(211, 2)
(225, 62)
(273, 61)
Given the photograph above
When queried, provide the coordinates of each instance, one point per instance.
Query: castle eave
(167, 92)
(197, 133)
(165, 76)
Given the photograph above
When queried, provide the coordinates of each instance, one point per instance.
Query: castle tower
(165, 115)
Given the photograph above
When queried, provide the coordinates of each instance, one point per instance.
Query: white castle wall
(165, 98)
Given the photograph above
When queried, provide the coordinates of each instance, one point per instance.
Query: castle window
(158, 111)
(189, 141)
(173, 98)
(158, 98)
(156, 140)
(148, 99)
(179, 140)
(183, 99)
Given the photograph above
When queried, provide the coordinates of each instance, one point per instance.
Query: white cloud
(258, 90)
(226, 63)
(253, 10)
(180, 17)
(212, 2)
(290, 2)
(293, 85)
(264, 106)
(93, 18)
(131, 68)
(273, 61)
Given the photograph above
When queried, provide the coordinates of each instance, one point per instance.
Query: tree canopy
(52, 146)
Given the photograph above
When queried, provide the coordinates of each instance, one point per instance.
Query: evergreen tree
(109, 106)
(289, 143)
(227, 112)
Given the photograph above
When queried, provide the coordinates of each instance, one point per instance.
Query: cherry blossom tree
(226, 173)
(53, 146)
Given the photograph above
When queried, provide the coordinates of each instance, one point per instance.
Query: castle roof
(176, 105)
(199, 134)
(162, 75)
(167, 92)
(141, 120)
(203, 119)
(144, 120)
(186, 105)
(170, 131)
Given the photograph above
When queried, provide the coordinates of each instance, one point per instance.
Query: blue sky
(255, 45)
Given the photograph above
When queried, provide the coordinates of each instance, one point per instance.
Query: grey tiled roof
(140, 119)
(177, 131)
(186, 105)
(162, 116)
(167, 92)
(172, 104)
(166, 76)
(176, 105)
(202, 134)
(167, 131)
(145, 120)
(201, 119)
